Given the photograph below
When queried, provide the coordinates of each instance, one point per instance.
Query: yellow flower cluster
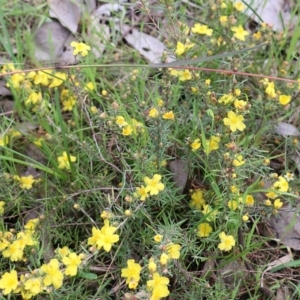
(13, 246)
(130, 126)
(64, 161)
(155, 113)
(157, 285)
(183, 75)
(153, 187)
(25, 182)
(272, 93)
(210, 144)
(105, 237)
(32, 83)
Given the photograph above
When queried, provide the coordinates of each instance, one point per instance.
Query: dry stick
(183, 64)
(158, 66)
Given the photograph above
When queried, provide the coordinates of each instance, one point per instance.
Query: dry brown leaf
(4, 91)
(286, 129)
(67, 57)
(50, 39)
(148, 46)
(180, 172)
(287, 226)
(277, 13)
(68, 12)
(99, 33)
(90, 5)
(233, 273)
(273, 264)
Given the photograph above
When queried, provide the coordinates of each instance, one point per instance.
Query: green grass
(104, 167)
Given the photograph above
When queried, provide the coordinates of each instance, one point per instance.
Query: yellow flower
(239, 32)
(227, 242)
(257, 35)
(32, 224)
(14, 133)
(62, 252)
(57, 79)
(72, 261)
(289, 176)
(152, 265)
(164, 258)
(158, 238)
(2, 204)
(14, 251)
(64, 161)
(34, 98)
(120, 121)
(232, 204)
(93, 109)
(195, 145)
(15, 80)
(245, 218)
(175, 72)
(268, 202)
(223, 20)
(132, 273)
(226, 99)
(234, 189)
(31, 75)
(185, 75)
(207, 82)
(277, 203)
(153, 185)
(223, 5)
(238, 160)
(234, 121)
(249, 200)
(271, 195)
(4, 139)
(105, 237)
(127, 130)
(69, 103)
(198, 200)
(53, 275)
(204, 230)
(39, 142)
(212, 144)
(168, 115)
(210, 214)
(141, 193)
(158, 286)
(159, 292)
(26, 182)
(89, 87)
(270, 90)
(181, 48)
(33, 286)
(8, 68)
(202, 29)
(9, 282)
(42, 77)
(284, 99)
(239, 6)
(80, 48)
(153, 113)
(173, 251)
(240, 104)
(160, 102)
(281, 184)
